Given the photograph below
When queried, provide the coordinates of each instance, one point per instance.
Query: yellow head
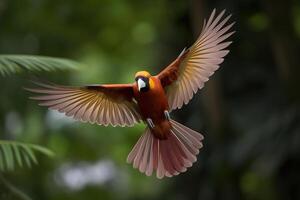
(144, 81)
(143, 74)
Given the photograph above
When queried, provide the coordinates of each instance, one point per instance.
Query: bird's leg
(150, 123)
(167, 115)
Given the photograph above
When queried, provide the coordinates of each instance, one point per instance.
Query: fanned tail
(167, 157)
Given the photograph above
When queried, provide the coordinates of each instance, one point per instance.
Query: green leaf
(27, 160)
(8, 156)
(30, 153)
(18, 155)
(2, 168)
(10, 64)
(12, 152)
(43, 150)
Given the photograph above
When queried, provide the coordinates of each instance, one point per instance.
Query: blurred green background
(248, 112)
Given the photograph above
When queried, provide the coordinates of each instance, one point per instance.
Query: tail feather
(167, 157)
(138, 159)
(146, 155)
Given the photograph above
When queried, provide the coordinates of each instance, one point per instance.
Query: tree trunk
(284, 44)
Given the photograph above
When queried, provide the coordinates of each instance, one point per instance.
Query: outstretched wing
(102, 104)
(188, 73)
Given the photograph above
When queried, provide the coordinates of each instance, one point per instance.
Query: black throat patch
(146, 80)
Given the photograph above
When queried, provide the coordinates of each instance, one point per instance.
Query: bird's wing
(102, 104)
(188, 73)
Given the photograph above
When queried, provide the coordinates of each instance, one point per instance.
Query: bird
(166, 147)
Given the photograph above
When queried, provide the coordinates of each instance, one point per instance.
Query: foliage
(12, 152)
(20, 63)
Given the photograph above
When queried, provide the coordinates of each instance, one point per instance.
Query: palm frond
(13, 189)
(10, 64)
(14, 153)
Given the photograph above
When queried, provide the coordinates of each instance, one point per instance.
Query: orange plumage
(152, 105)
(166, 146)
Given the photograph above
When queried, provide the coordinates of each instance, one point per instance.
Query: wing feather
(188, 73)
(101, 104)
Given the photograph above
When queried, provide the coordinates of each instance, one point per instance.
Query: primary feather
(193, 67)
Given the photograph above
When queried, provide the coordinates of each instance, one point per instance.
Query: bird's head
(143, 81)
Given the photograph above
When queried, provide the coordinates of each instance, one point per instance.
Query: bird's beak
(141, 84)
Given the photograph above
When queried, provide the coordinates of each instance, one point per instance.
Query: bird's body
(166, 146)
(152, 105)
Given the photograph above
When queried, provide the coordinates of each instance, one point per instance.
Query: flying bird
(166, 146)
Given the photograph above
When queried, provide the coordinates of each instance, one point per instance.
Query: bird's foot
(167, 115)
(150, 123)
